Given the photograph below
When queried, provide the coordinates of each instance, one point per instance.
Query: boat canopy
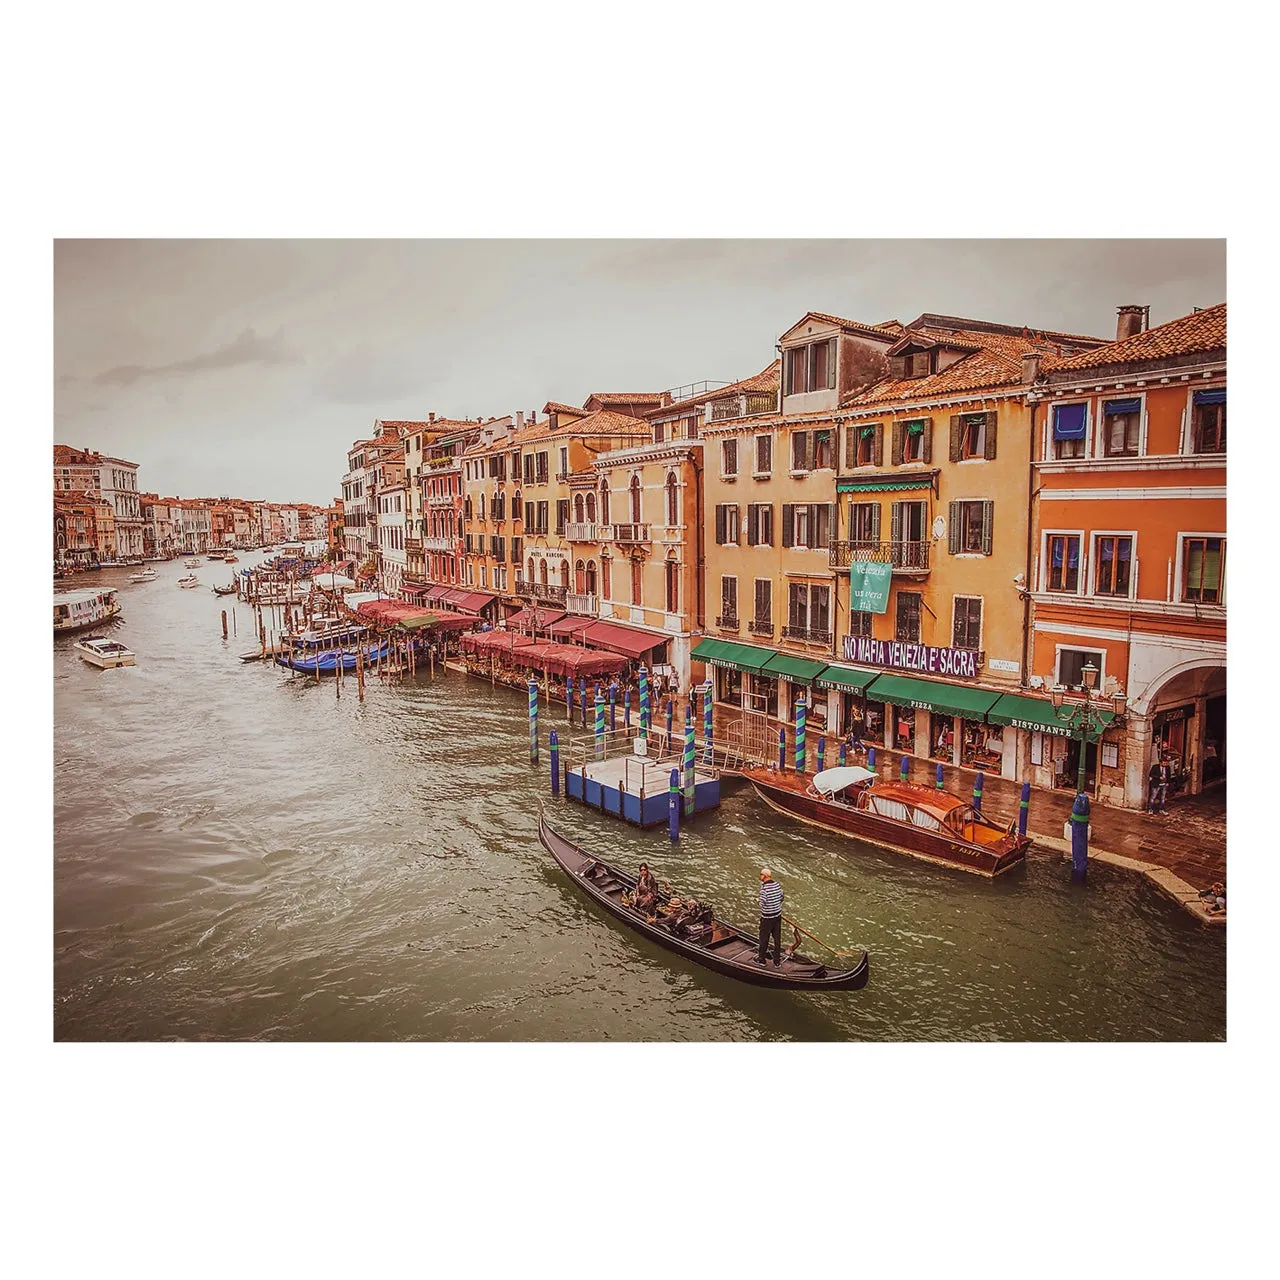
(829, 781)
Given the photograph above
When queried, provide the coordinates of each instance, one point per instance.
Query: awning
(469, 601)
(569, 625)
(853, 679)
(889, 484)
(797, 670)
(627, 640)
(933, 695)
(729, 653)
(437, 593)
(1037, 714)
(534, 619)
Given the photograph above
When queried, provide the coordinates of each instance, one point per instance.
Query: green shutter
(877, 449)
(720, 524)
(831, 364)
(953, 527)
(988, 509)
(957, 430)
(875, 522)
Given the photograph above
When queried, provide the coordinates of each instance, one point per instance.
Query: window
(907, 620)
(562, 513)
(763, 612)
(729, 686)
(969, 528)
(591, 577)
(864, 444)
(542, 468)
(1203, 565)
(564, 462)
(764, 455)
(606, 577)
(727, 523)
(1071, 667)
(728, 458)
(859, 624)
(824, 453)
(1062, 558)
(798, 609)
(1121, 425)
(807, 525)
(728, 601)
(1112, 559)
(913, 440)
(973, 435)
(864, 522)
(673, 500)
(528, 468)
(966, 622)
(760, 524)
(637, 577)
(604, 502)
(673, 586)
(810, 368)
(801, 455)
(1209, 421)
(659, 432)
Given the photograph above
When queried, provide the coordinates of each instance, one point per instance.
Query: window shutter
(832, 526)
(959, 615)
(953, 527)
(897, 366)
(766, 535)
(736, 522)
(877, 448)
(928, 440)
(895, 523)
(720, 524)
(831, 363)
(956, 434)
(753, 515)
(788, 524)
(851, 444)
(989, 451)
(810, 449)
(897, 443)
(988, 508)
(875, 522)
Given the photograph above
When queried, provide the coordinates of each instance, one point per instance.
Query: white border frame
(1043, 583)
(1092, 588)
(1183, 535)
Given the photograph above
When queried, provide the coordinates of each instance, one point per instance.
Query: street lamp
(1086, 716)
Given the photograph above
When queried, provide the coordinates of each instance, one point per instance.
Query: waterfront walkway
(1181, 852)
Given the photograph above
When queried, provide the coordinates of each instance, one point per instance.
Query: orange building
(1128, 555)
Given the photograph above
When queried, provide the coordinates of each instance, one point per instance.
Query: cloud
(246, 349)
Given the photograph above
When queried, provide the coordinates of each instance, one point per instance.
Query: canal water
(239, 855)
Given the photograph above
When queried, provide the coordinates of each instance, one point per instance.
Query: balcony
(438, 544)
(807, 635)
(905, 557)
(760, 627)
(631, 534)
(440, 499)
(727, 622)
(523, 587)
(549, 591)
(585, 532)
(584, 604)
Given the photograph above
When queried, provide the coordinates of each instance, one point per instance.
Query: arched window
(564, 574)
(604, 502)
(516, 510)
(673, 587)
(542, 572)
(591, 577)
(606, 577)
(579, 577)
(637, 576)
(579, 509)
(530, 568)
(673, 499)
(591, 506)
(635, 500)
(482, 506)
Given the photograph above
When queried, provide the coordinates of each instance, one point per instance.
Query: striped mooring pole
(801, 710)
(1024, 806)
(706, 727)
(821, 762)
(689, 794)
(583, 682)
(555, 763)
(871, 759)
(568, 696)
(626, 708)
(644, 702)
(533, 719)
(673, 805)
(977, 793)
(904, 768)
(938, 777)
(613, 705)
(844, 752)
(599, 724)
(1080, 838)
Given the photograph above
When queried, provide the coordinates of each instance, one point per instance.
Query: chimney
(519, 419)
(431, 417)
(1030, 366)
(1130, 320)
(533, 416)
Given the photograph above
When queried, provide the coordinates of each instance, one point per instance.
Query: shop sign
(899, 655)
(1003, 664)
(869, 586)
(1185, 712)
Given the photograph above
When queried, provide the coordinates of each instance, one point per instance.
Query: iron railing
(631, 533)
(760, 626)
(909, 557)
(809, 635)
(727, 622)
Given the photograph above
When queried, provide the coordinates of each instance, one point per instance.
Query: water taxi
(98, 651)
(144, 575)
(75, 610)
(189, 581)
(192, 562)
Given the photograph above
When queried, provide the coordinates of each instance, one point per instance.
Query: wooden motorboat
(712, 943)
(99, 651)
(926, 822)
(231, 558)
(189, 581)
(146, 575)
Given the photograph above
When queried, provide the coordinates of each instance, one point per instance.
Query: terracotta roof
(932, 321)
(553, 407)
(857, 325)
(765, 380)
(626, 397)
(604, 422)
(1200, 331)
(64, 454)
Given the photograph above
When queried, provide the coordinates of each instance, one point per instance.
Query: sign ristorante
(899, 655)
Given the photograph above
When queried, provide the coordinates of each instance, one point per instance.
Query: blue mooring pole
(584, 703)
(844, 753)
(599, 724)
(555, 763)
(782, 749)
(904, 768)
(689, 766)
(1080, 838)
(626, 708)
(938, 777)
(673, 805)
(871, 759)
(533, 719)
(613, 705)
(822, 753)
(977, 793)
(1024, 806)
(670, 713)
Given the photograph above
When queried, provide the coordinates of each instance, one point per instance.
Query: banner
(869, 586)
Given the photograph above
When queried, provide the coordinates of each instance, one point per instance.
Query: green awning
(933, 695)
(728, 653)
(417, 623)
(797, 670)
(1037, 714)
(891, 484)
(853, 679)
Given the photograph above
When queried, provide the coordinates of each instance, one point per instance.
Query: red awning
(566, 659)
(494, 641)
(534, 619)
(569, 625)
(468, 601)
(437, 593)
(608, 635)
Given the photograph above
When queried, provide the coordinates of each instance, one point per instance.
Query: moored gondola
(707, 941)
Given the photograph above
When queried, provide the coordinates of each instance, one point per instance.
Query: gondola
(228, 590)
(716, 945)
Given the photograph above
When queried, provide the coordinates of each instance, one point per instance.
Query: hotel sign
(899, 655)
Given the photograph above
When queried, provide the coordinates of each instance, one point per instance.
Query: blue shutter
(1216, 395)
(1130, 405)
(1069, 421)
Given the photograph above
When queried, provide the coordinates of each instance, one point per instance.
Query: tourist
(646, 897)
(770, 918)
(1158, 786)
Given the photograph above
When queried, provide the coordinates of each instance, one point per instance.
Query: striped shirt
(770, 899)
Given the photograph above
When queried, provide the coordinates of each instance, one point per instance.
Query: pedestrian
(1157, 786)
(770, 918)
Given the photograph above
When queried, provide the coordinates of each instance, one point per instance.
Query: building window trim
(1095, 535)
(1179, 569)
(1045, 536)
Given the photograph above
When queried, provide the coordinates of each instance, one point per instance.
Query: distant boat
(98, 651)
(147, 575)
(231, 557)
(189, 581)
(228, 590)
(75, 610)
(192, 563)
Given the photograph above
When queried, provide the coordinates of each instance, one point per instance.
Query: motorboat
(925, 822)
(99, 651)
(189, 581)
(231, 558)
(76, 610)
(145, 575)
(192, 562)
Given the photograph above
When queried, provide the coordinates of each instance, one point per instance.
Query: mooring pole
(977, 793)
(1024, 806)
(555, 763)
(1080, 838)
(673, 805)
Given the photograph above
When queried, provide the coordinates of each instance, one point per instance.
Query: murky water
(241, 855)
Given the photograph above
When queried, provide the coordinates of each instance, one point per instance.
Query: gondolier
(770, 918)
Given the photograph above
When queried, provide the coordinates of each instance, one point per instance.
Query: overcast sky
(247, 367)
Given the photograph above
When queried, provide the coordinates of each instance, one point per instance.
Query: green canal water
(239, 855)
